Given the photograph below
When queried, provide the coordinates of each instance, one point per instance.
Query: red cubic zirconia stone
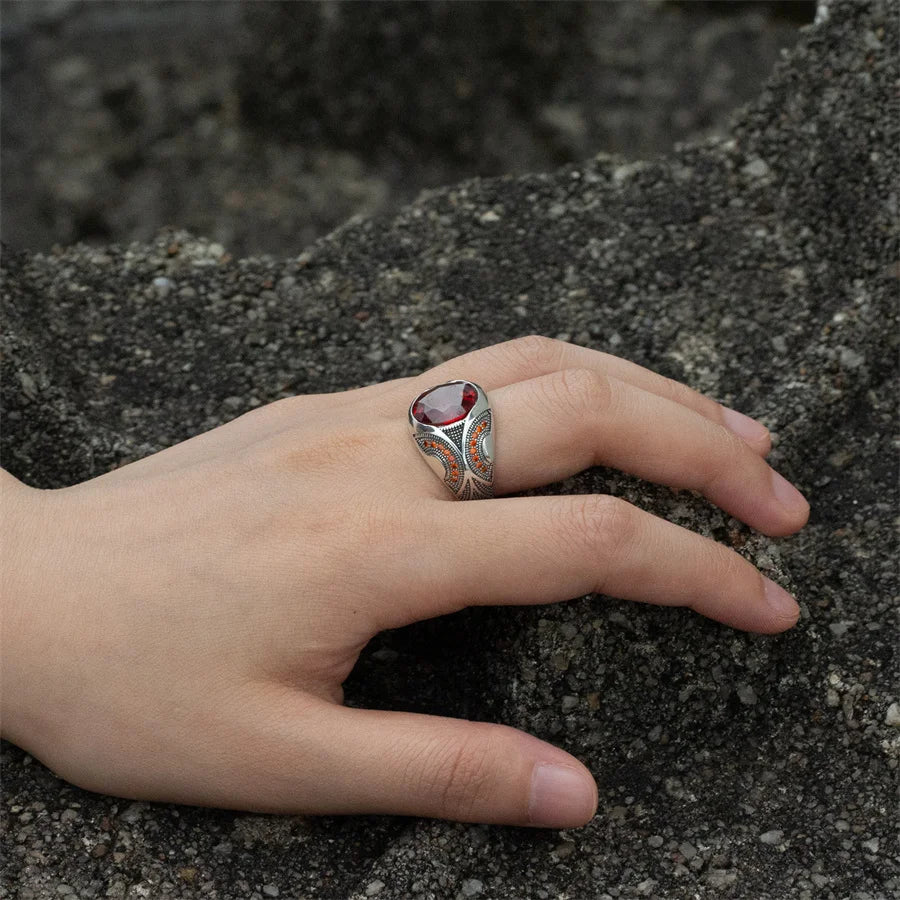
(445, 404)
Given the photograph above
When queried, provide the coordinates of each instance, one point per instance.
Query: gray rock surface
(761, 268)
(266, 125)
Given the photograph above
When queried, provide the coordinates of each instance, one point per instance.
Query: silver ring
(452, 425)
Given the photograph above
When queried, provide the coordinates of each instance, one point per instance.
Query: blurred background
(264, 125)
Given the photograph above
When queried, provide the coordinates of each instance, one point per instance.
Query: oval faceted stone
(445, 404)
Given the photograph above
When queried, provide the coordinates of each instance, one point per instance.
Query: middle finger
(551, 427)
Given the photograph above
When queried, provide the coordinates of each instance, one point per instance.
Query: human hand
(179, 629)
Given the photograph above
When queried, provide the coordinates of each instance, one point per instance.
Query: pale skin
(179, 629)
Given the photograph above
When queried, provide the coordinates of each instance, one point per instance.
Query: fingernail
(787, 494)
(743, 426)
(780, 600)
(561, 797)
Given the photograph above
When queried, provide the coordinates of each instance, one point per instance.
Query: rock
(692, 263)
(472, 887)
(772, 837)
(269, 142)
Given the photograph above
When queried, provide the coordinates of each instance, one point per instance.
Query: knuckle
(679, 392)
(462, 772)
(580, 391)
(686, 396)
(603, 525)
(726, 451)
(537, 350)
(728, 566)
(725, 573)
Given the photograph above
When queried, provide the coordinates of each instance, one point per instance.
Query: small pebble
(892, 716)
(374, 887)
(163, 286)
(132, 813)
(746, 695)
(472, 887)
(772, 837)
(756, 168)
(720, 878)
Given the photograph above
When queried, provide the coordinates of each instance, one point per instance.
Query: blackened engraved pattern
(446, 454)
(488, 472)
(481, 491)
(454, 433)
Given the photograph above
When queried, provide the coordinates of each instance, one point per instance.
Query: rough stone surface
(266, 125)
(761, 268)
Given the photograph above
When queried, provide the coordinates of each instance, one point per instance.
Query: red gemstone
(445, 404)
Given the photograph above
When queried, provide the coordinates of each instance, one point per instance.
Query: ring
(452, 425)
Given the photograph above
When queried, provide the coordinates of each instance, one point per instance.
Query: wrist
(22, 607)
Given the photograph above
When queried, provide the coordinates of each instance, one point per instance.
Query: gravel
(690, 264)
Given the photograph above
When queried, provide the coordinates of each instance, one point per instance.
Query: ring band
(452, 425)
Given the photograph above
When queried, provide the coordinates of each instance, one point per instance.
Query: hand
(179, 629)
